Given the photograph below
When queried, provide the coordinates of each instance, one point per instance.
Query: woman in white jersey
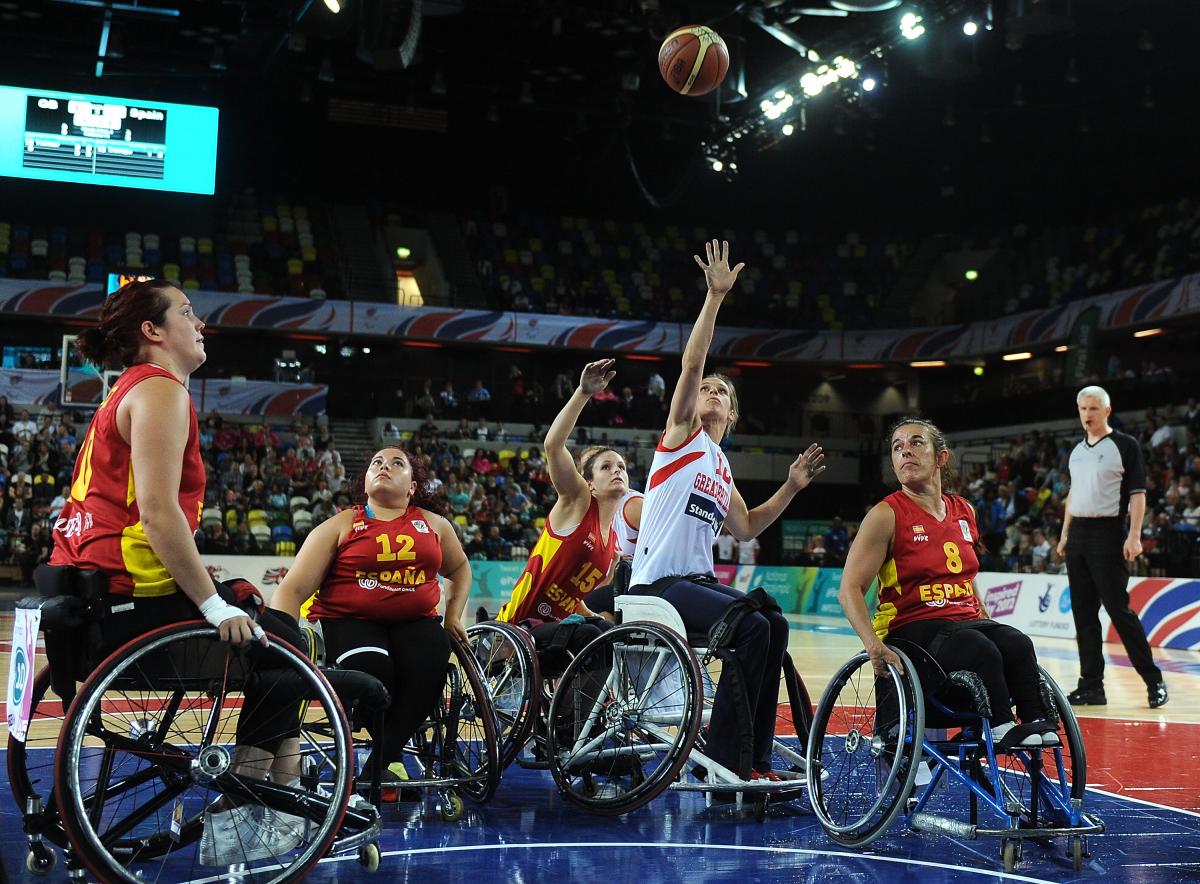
(689, 495)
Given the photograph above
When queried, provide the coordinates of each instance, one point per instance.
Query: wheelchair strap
(721, 633)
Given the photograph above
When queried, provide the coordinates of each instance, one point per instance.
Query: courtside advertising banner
(21, 670)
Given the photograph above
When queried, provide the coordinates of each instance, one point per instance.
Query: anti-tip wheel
(368, 857)
(452, 807)
(40, 860)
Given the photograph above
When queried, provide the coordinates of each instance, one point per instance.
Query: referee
(1108, 483)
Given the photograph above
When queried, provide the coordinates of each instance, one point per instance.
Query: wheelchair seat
(649, 608)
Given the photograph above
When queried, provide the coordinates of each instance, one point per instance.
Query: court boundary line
(663, 845)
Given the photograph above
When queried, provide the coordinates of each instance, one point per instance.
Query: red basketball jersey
(931, 574)
(561, 570)
(100, 526)
(384, 570)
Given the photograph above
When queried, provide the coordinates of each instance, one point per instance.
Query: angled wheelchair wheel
(162, 777)
(1061, 770)
(863, 749)
(31, 762)
(793, 721)
(508, 663)
(457, 748)
(623, 718)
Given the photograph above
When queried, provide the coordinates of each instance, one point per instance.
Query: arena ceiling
(562, 78)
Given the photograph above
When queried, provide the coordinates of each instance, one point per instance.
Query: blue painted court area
(528, 833)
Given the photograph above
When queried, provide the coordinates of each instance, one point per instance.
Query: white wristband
(216, 610)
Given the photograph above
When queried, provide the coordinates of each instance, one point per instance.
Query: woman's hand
(717, 274)
(596, 376)
(807, 467)
(454, 626)
(881, 655)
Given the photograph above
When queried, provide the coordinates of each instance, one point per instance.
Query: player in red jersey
(920, 542)
(135, 501)
(578, 545)
(377, 566)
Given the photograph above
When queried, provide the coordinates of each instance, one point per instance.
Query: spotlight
(320, 348)
(366, 351)
(1017, 357)
(869, 84)
(1061, 348)
(978, 371)
(971, 275)
(717, 165)
(910, 26)
(333, 6)
(403, 253)
(788, 129)
(970, 27)
(346, 352)
(928, 363)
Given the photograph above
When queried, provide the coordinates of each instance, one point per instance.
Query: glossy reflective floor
(1143, 776)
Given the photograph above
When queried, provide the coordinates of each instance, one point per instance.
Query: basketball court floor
(1143, 781)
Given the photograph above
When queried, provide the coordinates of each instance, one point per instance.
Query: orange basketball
(693, 60)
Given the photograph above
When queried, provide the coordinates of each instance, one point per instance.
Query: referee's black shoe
(1157, 694)
(1089, 697)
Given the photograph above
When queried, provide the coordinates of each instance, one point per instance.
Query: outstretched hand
(807, 467)
(596, 376)
(717, 274)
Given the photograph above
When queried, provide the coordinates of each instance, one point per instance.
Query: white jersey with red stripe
(627, 535)
(687, 498)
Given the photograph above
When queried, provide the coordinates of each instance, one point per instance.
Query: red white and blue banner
(1040, 604)
(40, 387)
(1142, 304)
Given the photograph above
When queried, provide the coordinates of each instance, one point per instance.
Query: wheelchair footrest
(1090, 826)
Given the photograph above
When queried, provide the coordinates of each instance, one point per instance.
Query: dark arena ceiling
(1057, 106)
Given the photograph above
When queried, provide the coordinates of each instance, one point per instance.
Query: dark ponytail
(117, 340)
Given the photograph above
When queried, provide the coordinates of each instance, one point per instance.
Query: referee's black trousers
(1098, 574)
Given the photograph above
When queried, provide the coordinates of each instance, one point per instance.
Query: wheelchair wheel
(31, 763)
(158, 787)
(623, 718)
(457, 746)
(793, 721)
(1063, 769)
(863, 749)
(508, 662)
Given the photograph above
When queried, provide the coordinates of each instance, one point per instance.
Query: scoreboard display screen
(97, 139)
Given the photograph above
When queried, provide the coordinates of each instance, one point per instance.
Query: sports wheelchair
(455, 753)
(126, 781)
(628, 712)
(871, 735)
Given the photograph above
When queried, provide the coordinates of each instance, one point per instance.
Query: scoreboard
(94, 139)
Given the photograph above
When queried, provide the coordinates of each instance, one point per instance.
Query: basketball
(693, 60)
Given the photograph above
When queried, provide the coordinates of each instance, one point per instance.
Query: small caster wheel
(1011, 853)
(1076, 851)
(452, 807)
(368, 857)
(588, 786)
(40, 860)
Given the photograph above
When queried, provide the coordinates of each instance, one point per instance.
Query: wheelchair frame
(71, 823)
(1054, 806)
(651, 627)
